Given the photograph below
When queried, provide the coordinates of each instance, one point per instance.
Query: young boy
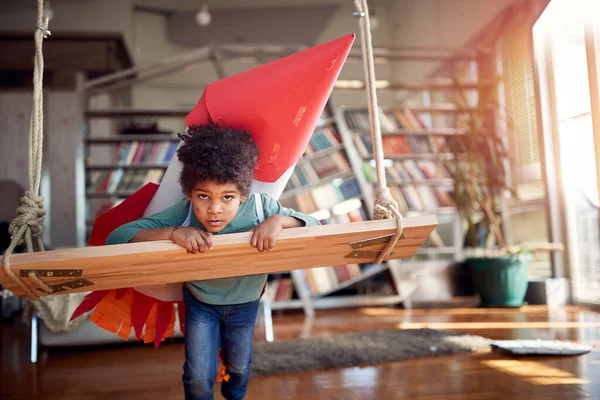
(218, 164)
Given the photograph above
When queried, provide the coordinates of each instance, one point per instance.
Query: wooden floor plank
(140, 372)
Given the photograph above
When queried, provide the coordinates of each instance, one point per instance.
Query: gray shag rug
(359, 348)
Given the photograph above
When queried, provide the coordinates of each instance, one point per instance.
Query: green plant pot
(500, 281)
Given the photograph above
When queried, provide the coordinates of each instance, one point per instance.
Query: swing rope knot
(384, 204)
(387, 208)
(27, 228)
(30, 216)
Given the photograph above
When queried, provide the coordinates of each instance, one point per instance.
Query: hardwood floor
(139, 372)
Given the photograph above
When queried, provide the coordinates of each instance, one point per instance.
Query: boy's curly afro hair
(217, 152)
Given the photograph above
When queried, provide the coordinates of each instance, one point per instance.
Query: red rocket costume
(280, 104)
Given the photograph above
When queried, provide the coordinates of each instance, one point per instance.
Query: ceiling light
(203, 17)
(373, 22)
(48, 12)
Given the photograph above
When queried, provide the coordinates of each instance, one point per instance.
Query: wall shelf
(149, 137)
(133, 113)
(130, 166)
(106, 195)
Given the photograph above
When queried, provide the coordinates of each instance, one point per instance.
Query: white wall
(15, 109)
(61, 158)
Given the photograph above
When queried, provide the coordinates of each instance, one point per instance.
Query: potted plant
(481, 167)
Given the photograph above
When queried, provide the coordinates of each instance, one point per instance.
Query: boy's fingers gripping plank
(204, 241)
(190, 245)
(261, 241)
(256, 240)
(193, 239)
(265, 235)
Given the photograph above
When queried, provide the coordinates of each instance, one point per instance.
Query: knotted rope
(28, 226)
(385, 206)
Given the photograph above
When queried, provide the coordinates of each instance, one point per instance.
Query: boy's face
(215, 204)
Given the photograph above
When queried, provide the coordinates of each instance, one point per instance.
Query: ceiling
(187, 5)
(181, 5)
(96, 54)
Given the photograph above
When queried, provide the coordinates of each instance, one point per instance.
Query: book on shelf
(280, 289)
(142, 152)
(390, 121)
(315, 168)
(324, 197)
(122, 180)
(405, 181)
(415, 146)
(323, 138)
(317, 281)
(401, 121)
(326, 279)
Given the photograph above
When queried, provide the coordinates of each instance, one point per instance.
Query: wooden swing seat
(162, 262)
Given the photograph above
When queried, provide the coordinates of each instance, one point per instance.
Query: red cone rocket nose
(279, 103)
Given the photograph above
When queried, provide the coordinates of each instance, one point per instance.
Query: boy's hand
(193, 239)
(265, 235)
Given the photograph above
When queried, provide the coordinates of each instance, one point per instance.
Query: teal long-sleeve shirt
(235, 290)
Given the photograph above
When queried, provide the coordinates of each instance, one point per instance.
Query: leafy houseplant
(481, 168)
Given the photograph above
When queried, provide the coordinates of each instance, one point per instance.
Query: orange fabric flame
(114, 312)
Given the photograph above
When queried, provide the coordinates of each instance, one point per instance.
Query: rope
(28, 226)
(385, 206)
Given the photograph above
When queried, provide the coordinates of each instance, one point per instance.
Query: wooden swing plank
(161, 262)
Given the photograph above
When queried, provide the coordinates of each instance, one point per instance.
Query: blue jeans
(208, 327)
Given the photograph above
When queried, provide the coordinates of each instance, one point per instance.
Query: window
(567, 36)
(527, 215)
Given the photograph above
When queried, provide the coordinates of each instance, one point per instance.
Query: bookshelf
(328, 183)
(139, 153)
(419, 173)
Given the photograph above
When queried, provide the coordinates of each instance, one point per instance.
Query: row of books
(421, 198)
(407, 171)
(403, 144)
(122, 180)
(281, 289)
(325, 279)
(307, 173)
(324, 197)
(145, 152)
(322, 139)
(318, 280)
(390, 121)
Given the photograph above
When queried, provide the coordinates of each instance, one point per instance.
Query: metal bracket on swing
(370, 242)
(53, 273)
(64, 286)
(373, 241)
